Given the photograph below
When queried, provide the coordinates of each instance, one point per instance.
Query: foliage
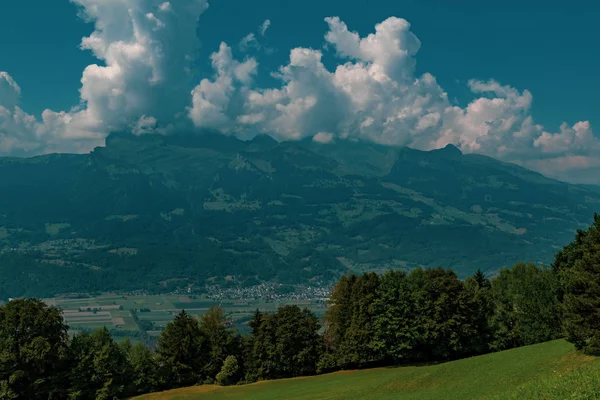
(219, 339)
(578, 268)
(527, 309)
(286, 344)
(183, 351)
(427, 315)
(33, 350)
(99, 369)
(144, 369)
(424, 316)
(229, 371)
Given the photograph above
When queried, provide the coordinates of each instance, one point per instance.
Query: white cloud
(211, 99)
(264, 26)
(249, 41)
(165, 7)
(10, 91)
(143, 83)
(145, 49)
(323, 137)
(375, 95)
(144, 125)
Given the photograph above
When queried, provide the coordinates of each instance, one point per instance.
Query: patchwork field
(114, 311)
(532, 372)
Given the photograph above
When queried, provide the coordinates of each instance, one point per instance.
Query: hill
(164, 212)
(491, 376)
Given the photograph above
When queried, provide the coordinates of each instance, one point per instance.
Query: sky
(515, 80)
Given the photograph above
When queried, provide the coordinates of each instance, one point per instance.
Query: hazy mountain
(161, 212)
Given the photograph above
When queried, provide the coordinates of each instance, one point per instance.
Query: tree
(395, 313)
(229, 371)
(143, 374)
(249, 346)
(429, 315)
(577, 266)
(182, 351)
(339, 313)
(100, 369)
(349, 322)
(439, 320)
(526, 306)
(33, 350)
(287, 344)
(219, 339)
(477, 307)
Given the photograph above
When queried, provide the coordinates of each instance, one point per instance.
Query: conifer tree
(143, 370)
(214, 328)
(182, 351)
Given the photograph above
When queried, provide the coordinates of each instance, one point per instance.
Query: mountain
(162, 212)
(592, 188)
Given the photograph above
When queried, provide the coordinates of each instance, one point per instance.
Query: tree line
(425, 315)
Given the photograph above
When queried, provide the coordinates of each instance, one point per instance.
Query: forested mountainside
(163, 212)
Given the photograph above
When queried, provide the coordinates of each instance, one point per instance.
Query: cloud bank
(144, 84)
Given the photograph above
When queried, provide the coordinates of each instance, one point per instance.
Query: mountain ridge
(160, 212)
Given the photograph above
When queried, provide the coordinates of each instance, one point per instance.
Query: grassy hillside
(519, 373)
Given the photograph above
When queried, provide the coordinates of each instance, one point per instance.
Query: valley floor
(549, 370)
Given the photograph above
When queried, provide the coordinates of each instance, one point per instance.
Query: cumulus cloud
(144, 83)
(145, 49)
(212, 105)
(374, 94)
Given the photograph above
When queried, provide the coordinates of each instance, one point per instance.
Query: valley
(188, 213)
(142, 317)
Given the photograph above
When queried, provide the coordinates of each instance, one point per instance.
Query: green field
(113, 311)
(522, 373)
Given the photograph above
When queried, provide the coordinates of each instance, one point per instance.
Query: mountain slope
(494, 375)
(158, 213)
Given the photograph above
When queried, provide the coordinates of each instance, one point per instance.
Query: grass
(54, 229)
(575, 384)
(517, 373)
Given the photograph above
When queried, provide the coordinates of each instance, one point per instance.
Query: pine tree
(214, 327)
(182, 351)
(477, 308)
(143, 375)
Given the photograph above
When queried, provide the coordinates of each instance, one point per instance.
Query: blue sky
(545, 48)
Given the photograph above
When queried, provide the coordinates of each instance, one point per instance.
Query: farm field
(508, 374)
(114, 311)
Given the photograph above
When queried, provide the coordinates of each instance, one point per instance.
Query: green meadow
(551, 370)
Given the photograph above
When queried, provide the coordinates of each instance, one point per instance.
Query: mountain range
(158, 212)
